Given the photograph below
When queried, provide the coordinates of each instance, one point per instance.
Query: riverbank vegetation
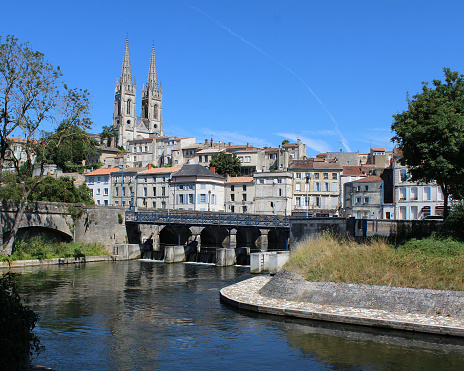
(433, 262)
(40, 248)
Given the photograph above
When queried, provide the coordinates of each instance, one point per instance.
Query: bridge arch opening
(246, 237)
(44, 233)
(214, 237)
(174, 235)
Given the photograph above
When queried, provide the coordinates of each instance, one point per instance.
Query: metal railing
(196, 218)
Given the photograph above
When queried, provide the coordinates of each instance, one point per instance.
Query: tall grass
(40, 248)
(429, 263)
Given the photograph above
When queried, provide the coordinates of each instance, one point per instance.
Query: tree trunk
(8, 250)
(445, 192)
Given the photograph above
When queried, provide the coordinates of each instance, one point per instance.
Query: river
(147, 315)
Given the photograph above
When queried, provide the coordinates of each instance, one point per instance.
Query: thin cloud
(317, 145)
(288, 69)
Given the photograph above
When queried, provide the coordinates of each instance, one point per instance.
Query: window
(334, 175)
(366, 200)
(232, 208)
(145, 192)
(247, 158)
(244, 188)
(298, 187)
(366, 188)
(182, 199)
(358, 200)
(298, 175)
(232, 197)
(327, 187)
(191, 198)
(403, 175)
(280, 181)
(105, 191)
(244, 197)
(163, 191)
(202, 198)
(402, 194)
(318, 187)
(414, 193)
(316, 176)
(326, 175)
(117, 192)
(154, 191)
(123, 191)
(98, 191)
(128, 106)
(232, 188)
(298, 201)
(280, 192)
(262, 181)
(426, 193)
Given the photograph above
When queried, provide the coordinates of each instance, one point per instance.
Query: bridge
(208, 219)
(214, 229)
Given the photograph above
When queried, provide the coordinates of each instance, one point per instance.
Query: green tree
(49, 189)
(108, 134)
(430, 134)
(17, 340)
(31, 94)
(226, 164)
(70, 145)
(285, 141)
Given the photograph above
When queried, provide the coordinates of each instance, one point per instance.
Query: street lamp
(307, 198)
(122, 181)
(209, 199)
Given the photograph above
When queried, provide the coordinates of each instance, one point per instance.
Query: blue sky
(330, 72)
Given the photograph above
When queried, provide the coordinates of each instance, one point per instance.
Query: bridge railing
(194, 218)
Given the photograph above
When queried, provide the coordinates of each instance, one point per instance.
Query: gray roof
(198, 171)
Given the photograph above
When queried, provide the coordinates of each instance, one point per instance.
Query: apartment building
(239, 194)
(99, 181)
(273, 192)
(153, 187)
(364, 198)
(316, 187)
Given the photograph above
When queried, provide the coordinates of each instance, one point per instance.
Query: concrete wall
(302, 228)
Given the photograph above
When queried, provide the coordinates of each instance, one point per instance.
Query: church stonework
(128, 125)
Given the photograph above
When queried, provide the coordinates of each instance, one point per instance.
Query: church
(128, 125)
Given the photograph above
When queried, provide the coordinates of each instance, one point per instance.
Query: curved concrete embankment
(271, 295)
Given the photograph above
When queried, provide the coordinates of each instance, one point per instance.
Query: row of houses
(322, 186)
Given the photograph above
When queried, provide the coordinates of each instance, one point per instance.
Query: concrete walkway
(245, 295)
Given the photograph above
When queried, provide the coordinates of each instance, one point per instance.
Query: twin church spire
(127, 123)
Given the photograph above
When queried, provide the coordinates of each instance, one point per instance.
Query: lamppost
(122, 181)
(307, 198)
(209, 199)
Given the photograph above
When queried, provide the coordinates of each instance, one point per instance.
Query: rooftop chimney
(149, 166)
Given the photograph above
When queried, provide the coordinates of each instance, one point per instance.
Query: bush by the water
(40, 248)
(428, 263)
(17, 341)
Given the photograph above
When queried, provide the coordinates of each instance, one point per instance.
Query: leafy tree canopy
(32, 94)
(50, 189)
(226, 164)
(430, 134)
(17, 339)
(69, 146)
(108, 133)
(285, 141)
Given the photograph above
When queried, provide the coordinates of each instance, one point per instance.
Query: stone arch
(169, 235)
(246, 237)
(213, 237)
(49, 234)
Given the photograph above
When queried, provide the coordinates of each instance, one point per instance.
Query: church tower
(124, 116)
(152, 98)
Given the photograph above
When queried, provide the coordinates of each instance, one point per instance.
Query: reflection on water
(148, 315)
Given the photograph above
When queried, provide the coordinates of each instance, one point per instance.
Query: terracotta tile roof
(161, 170)
(102, 171)
(352, 170)
(371, 178)
(76, 182)
(240, 179)
(378, 149)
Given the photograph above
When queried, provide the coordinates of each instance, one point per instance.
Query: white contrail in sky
(219, 24)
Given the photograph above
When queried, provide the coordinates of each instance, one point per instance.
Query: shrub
(17, 341)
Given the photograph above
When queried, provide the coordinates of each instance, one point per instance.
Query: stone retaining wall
(291, 286)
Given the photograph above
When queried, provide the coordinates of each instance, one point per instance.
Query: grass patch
(40, 248)
(428, 263)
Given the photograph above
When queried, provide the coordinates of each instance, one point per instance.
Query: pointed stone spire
(126, 76)
(152, 82)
